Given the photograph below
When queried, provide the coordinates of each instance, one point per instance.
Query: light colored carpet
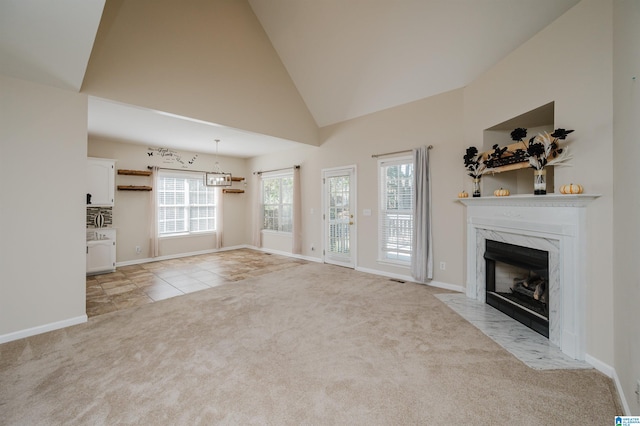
(315, 344)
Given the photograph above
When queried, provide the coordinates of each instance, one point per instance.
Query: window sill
(187, 235)
(271, 231)
(397, 264)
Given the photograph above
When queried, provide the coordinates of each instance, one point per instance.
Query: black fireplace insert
(517, 283)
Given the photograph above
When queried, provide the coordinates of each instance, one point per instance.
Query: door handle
(351, 223)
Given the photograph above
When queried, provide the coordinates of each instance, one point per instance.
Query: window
(396, 210)
(277, 199)
(185, 204)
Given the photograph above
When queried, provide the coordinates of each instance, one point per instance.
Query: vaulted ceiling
(347, 58)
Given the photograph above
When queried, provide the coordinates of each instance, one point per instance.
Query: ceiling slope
(208, 60)
(48, 42)
(191, 72)
(349, 58)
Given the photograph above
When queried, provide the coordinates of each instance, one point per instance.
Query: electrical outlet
(138, 250)
(443, 265)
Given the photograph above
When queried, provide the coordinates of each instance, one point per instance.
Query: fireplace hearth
(517, 283)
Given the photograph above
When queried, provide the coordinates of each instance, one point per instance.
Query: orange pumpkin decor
(501, 192)
(463, 194)
(572, 188)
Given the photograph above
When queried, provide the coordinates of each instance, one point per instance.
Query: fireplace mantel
(528, 200)
(555, 223)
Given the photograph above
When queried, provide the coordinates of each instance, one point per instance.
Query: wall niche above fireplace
(518, 178)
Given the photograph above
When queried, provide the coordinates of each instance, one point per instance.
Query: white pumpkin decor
(501, 192)
(572, 188)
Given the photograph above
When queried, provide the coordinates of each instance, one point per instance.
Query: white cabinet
(101, 251)
(101, 181)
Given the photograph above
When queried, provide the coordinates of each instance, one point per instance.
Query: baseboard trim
(447, 286)
(284, 253)
(177, 256)
(609, 371)
(409, 278)
(400, 277)
(21, 334)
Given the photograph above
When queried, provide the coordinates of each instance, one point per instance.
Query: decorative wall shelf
(236, 179)
(134, 172)
(233, 191)
(133, 188)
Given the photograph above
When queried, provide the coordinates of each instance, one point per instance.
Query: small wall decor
(169, 156)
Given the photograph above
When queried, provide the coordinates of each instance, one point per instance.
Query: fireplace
(555, 224)
(517, 283)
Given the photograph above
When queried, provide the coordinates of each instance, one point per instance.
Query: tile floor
(525, 344)
(149, 282)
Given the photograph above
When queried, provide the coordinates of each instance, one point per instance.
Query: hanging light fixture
(217, 177)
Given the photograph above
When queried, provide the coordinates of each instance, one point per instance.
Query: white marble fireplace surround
(554, 223)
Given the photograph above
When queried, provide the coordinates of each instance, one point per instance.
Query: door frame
(353, 207)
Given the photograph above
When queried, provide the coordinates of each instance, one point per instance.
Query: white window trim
(186, 174)
(272, 175)
(391, 161)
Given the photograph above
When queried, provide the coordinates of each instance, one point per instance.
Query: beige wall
(626, 202)
(132, 208)
(434, 121)
(209, 60)
(43, 135)
(570, 63)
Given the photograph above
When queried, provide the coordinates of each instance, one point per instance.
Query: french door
(339, 212)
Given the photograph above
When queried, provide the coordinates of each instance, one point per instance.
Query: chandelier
(217, 177)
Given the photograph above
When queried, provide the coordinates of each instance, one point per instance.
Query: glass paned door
(339, 217)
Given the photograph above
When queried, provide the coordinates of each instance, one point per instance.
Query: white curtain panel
(219, 217)
(257, 210)
(153, 214)
(422, 255)
(297, 213)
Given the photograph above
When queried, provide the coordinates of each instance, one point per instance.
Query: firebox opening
(517, 283)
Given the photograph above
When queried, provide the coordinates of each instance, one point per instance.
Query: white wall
(43, 135)
(570, 63)
(626, 203)
(132, 208)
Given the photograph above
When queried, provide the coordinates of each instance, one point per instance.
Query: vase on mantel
(476, 187)
(539, 181)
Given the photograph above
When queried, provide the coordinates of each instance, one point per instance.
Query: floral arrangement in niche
(543, 149)
(539, 151)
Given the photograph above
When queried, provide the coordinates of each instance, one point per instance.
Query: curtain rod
(396, 152)
(297, 166)
(180, 170)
